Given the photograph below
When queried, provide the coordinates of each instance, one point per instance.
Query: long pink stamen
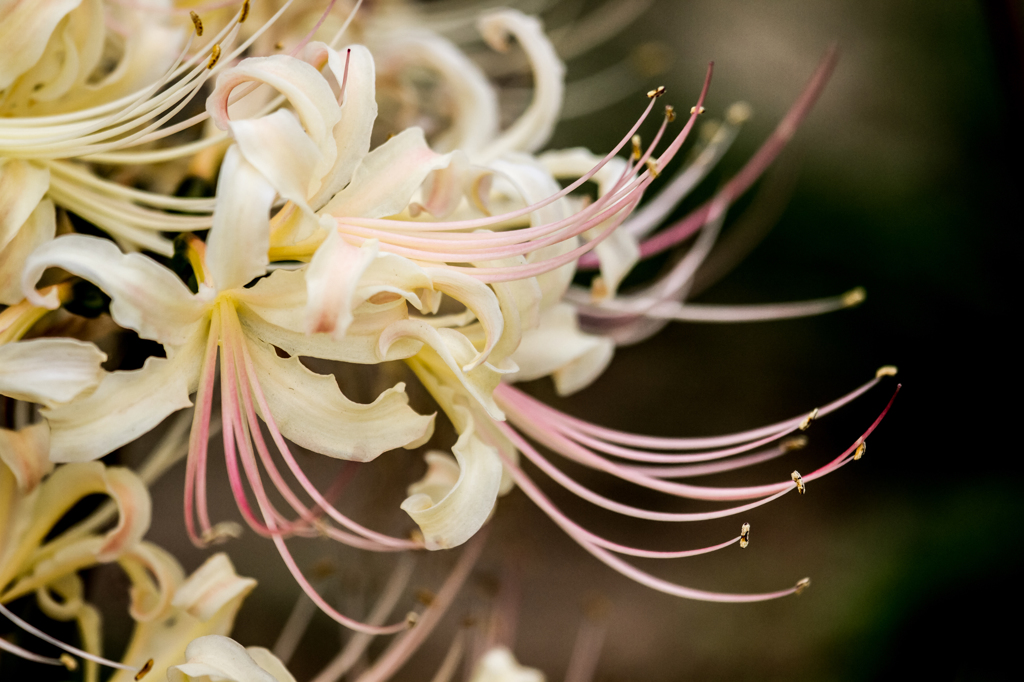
(199, 440)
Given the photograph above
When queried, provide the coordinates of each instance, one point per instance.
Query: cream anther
(885, 371)
(806, 423)
(802, 585)
(861, 449)
(854, 297)
(69, 661)
(745, 535)
(695, 110)
(798, 479)
(794, 443)
(656, 92)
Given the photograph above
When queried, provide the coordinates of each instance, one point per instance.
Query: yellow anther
(411, 618)
(197, 22)
(799, 480)
(279, 45)
(854, 297)
(886, 371)
(806, 423)
(695, 110)
(670, 112)
(598, 289)
(802, 585)
(245, 12)
(794, 443)
(739, 112)
(744, 535)
(144, 670)
(652, 166)
(69, 662)
(214, 56)
(656, 92)
(861, 449)
(636, 147)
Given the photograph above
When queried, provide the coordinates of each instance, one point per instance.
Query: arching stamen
(31, 629)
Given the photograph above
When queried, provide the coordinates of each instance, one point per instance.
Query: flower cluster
(259, 190)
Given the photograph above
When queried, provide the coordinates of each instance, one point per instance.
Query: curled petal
(125, 405)
(479, 298)
(450, 512)
(215, 658)
(150, 599)
(49, 371)
(26, 453)
(205, 604)
(311, 411)
(449, 351)
(531, 130)
(144, 295)
(302, 84)
(236, 250)
(386, 180)
(558, 347)
(25, 32)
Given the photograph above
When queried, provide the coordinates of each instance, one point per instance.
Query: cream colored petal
(479, 298)
(22, 187)
(534, 127)
(268, 661)
(26, 453)
(617, 254)
(387, 178)
(25, 31)
(155, 575)
(358, 112)
(311, 410)
(126, 404)
(278, 147)
(274, 310)
(38, 229)
(306, 89)
(144, 295)
(332, 279)
(499, 665)
(558, 347)
(49, 371)
(236, 250)
(450, 515)
(215, 658)
(447, 353)
(205, 604)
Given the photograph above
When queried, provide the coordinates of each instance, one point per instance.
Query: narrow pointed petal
(26, 453)
(144, 295)
(22, 187)
(386, 180)
(38, 229)
(358, 112)
(49, 371)
(236, 250)
(450, 512)
(311, 410)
